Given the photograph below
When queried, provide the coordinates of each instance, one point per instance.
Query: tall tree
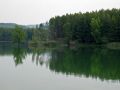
(67, 32)
(18, 35)
(95, 29)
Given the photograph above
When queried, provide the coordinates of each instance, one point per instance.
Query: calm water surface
(88, 68)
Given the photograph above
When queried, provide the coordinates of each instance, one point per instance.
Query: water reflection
(19, 54)
(41, 56)
(89, 62)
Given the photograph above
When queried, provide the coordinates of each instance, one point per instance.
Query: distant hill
(7, 25)
(12, 26)
(30, 26)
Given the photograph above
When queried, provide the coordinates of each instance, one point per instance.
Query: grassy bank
(45, 44)
(38, 44)
(113, 45)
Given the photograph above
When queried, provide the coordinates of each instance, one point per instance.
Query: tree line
(22, 35)
(101, 26)
(17, 34)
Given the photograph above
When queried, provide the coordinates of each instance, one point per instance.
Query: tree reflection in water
(19, 53)
(41, 56)
(89, 62)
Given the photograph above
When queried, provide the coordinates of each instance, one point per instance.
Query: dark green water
(23, 68)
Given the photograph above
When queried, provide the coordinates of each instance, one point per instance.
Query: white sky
(37, 11)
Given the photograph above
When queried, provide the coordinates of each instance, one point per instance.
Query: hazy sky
(36, 11)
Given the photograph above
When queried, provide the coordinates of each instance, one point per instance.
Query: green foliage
(67, 32)
(95, 29)
(18, 35)
(40, 35)
(91, 27)
(5, 34)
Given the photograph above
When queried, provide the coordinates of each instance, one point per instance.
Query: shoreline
(110, 45)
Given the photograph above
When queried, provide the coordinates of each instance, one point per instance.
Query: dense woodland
(101, 26)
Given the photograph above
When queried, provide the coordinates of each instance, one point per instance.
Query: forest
(98, 27)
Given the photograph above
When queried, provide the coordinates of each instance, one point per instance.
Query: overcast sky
(37, 11)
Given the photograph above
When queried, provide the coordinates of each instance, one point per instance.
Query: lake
(85, 68)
